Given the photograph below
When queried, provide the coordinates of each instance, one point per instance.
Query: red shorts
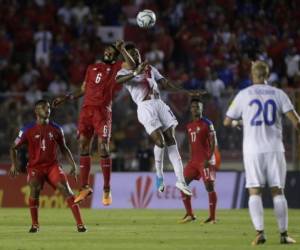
(195, 171)
(53, 175)
(93, 119)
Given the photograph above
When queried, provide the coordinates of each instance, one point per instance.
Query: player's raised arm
(167, 85)
(70, 96)
(123, 78)
(68, 155)
(129, 61)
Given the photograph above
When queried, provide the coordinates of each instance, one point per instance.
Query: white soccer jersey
(261, 108)
(140, 86)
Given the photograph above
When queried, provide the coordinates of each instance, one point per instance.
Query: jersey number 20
(268, 110)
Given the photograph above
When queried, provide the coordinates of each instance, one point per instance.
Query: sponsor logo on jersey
(37, 136)
(198, 129)
(50, 135)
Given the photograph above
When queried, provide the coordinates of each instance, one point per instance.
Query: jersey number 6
(98, 78)
(268, 109)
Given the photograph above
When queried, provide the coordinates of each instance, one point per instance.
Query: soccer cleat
(184, 188)
(285, 239)
(187, 218)
(34, 229)
(81, 229)
(160, 185)
(84, 192)
(259, 239)
(209, 221)
(106, 198)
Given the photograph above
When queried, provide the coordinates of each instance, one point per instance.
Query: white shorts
(154, 114)
(265, 168)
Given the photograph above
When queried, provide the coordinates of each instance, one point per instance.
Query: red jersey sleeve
(23, 135)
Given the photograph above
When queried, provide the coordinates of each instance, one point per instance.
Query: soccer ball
(146, 19)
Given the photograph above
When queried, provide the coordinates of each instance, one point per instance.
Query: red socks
(75, 210)
(212, 198)
(34, 207)
(105, 164)
(85, 167)
(187, 203)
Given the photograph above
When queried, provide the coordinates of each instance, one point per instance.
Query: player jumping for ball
(42, 139)
(98, 89)
(156, 116)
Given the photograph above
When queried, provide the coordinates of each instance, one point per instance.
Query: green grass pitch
(138, 229)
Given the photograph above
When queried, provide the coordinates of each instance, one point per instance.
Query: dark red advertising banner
(14, 192)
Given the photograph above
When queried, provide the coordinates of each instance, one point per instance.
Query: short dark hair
(196, 99)
(130, 45)
(41, 102)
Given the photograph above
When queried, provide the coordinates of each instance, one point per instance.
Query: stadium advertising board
(137, 190)
(14, 192)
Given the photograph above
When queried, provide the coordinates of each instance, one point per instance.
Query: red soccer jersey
(199, 132)
(101, 85)
(42, 142)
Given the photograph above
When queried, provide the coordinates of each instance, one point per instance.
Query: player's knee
(35, 190)
(103, 149)
(84, 147)
(276, 191)
(169, 139)
(209, 187)
(160, 142)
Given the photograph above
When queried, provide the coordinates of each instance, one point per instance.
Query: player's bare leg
(281, 212)
(66, 191)
(256, 211)
(186, 199)
(106, 165)
(85, 168)
(212, 198)
(159, 150)
(175, 159)
(35, 189)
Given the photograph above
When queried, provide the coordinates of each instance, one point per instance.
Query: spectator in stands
(57, 86)
(214, 85)
(43, 42)
(292, 61)
(155, 56)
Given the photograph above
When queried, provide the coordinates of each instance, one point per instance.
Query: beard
(108, 60)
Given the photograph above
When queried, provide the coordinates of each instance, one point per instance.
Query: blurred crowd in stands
(46, 45)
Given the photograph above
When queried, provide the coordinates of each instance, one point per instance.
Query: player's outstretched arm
(121, 79)
(293, 116)
(120, 45)
(68, 155)
(15, 168)
(71, 96)
(169, 86)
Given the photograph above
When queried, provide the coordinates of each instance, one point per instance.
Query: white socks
(176, 161)
(256, 212)
(281, 212)
(159, 160)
